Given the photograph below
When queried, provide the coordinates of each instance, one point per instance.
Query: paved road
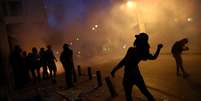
(159, 75)
(161, 79)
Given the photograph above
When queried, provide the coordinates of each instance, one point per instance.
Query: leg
(185, 74)
(50, 69)
(38, 73)
(141, 85)
(66, 78)
(33, 75)
(128, 91)
(45, 73)
(53, 72)
(178, 70)
(180, 65)
(54, 75)
(74, 75)
(177, 60)
(69, 80)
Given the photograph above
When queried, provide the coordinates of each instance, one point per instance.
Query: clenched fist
(160, 46)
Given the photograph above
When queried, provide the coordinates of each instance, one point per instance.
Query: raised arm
(153, 57)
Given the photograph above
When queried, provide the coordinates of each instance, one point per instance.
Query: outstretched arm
(153, 57)
(121, 63)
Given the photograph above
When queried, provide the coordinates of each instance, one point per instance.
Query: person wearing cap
(132, 75)
(66, 59)
(177, 49)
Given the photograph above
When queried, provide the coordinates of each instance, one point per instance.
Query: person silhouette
(29, 61)
(50, 57)
(35, 58)
(43, 62)
(177, 49)
(17, 65)
(25, 68)
(132, 75)
(66, 59)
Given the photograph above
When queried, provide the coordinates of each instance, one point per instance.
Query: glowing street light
(131, 4)
(124, 46)
(93, 28)
(79, 52)
(189, 19)
(96, 26)
(77, 39)
(71, 43)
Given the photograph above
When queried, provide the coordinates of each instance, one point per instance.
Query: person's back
(176, 48)
(51, 63)
(35, 58)
(66, 57)
(50, 56)
(42, 56)
(16, 57)
(29, 60)
(17, 64)
(179, 46)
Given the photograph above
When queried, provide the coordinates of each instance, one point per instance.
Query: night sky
(66, 12)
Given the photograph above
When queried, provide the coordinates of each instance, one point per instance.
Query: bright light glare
(57, 52)
(131, 4)
(79, 52)
(77, 39)
(93, 28)
(71, 43)
(96, 26)
(124, 46)
(189, 19)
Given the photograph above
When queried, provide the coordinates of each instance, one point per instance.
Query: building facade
(18, 20)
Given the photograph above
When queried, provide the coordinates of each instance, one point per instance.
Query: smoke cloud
(100, 30)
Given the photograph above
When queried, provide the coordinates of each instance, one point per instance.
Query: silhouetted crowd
(27, 66)
(24, 63)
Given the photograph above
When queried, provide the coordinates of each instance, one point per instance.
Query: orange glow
(131, 4)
